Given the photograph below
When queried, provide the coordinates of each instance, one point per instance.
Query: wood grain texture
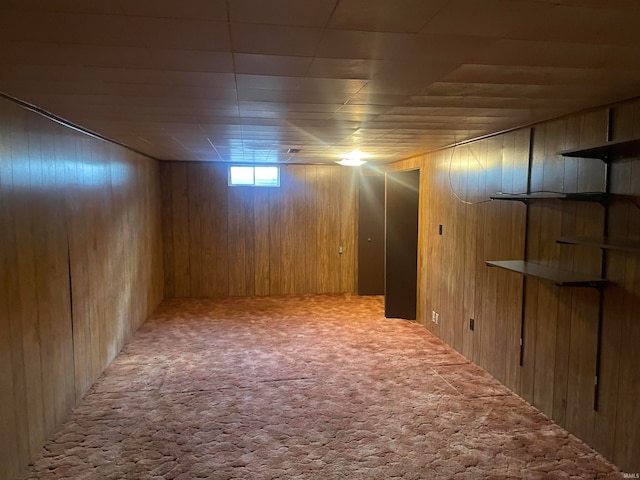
(560, 324)
(80, 270)
(245, 241)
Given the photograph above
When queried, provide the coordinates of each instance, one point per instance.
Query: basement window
(242, 175)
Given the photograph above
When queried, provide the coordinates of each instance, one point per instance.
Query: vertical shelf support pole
(526, 244)
(603, 265)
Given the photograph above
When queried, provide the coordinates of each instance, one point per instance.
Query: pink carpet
(303, 387)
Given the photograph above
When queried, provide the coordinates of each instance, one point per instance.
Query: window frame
(254, 184)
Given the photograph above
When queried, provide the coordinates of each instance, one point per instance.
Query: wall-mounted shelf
(608, 152)
(599, 197)
(605, 243)
(562, 278)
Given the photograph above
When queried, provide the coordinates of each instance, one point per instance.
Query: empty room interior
(319, 239)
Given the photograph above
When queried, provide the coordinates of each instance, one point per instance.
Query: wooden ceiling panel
(253, 78)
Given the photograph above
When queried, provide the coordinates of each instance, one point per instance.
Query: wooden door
(401, 244)
(371, 236)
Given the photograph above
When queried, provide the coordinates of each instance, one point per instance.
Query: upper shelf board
(623, 245)
(600, 197)
(561, 278)
(608, 152)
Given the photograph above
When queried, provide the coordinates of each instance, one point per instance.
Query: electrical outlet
(472, 324)
(439, 229)
(433, 316)
(437, 317)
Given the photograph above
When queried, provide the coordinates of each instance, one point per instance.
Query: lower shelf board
(560, 277)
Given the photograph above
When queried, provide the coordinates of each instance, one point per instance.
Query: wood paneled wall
(242, 241)
(560, 323)
(80, 269)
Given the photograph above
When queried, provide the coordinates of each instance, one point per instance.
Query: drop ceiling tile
(61, 28)
(104, 56)
(112, 7)
(282, 12)
(354, 44)
(475, 67)
(357, 68)
(192, 60)
(271, 64)
(289, 107)
(489, 90)
(402, 16)
(274, 39)
(364, 109)
(292, 96)
(596, 26)
(543, 54)
(609, 4)
(536, 75)
(271, 82)
(366, 98)
(181, 34)
(487, 102)
(215, 10)
(401, 78)
(17, 53)
(488, 18)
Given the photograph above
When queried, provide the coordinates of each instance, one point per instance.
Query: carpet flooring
(303, 387)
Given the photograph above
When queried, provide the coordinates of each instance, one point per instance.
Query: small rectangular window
(254, 176)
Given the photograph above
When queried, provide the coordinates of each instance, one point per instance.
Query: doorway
(371, 235)
(401, 244)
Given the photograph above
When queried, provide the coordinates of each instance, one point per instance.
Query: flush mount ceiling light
(353, 159)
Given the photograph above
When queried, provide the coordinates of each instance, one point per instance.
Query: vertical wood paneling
(13, 416)
(181, 240)
(276, 272)
(261, 220)
(240, 244)
(80, 270)
(291, 269)
(311, 228)
(167, 232)
(560, 324)
(195, 220)
(257, 240)
(627, 438)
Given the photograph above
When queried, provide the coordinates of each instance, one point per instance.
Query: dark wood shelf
(623, 245)
(608, 152)
(599, 197)
(561, 278)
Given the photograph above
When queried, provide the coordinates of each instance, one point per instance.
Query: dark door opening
(401, 244)
(371, 235)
